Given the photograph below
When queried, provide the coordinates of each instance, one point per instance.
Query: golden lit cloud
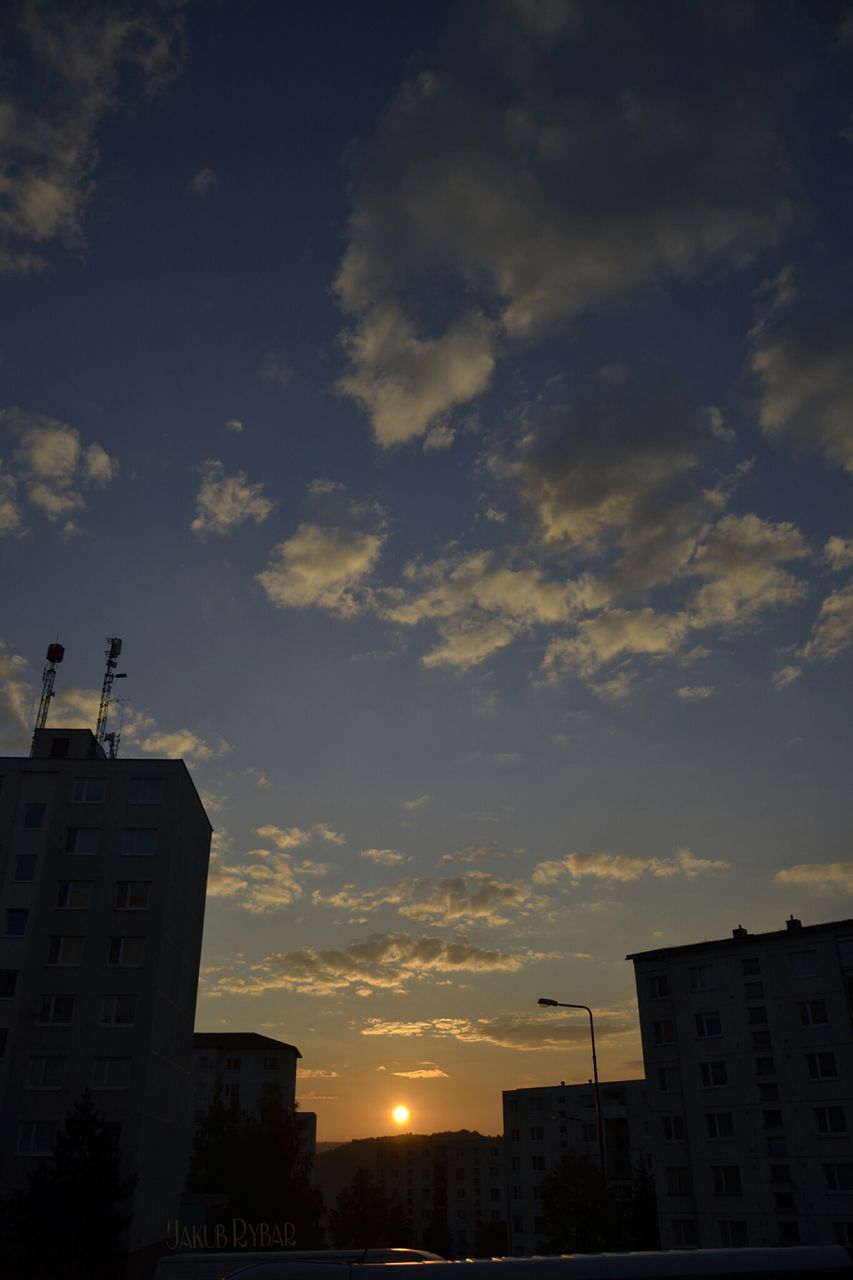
(825, 877)
(623, 867)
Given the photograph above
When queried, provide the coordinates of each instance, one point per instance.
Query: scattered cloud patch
(511, 1030)
(234, 424)
(696, 692)
(51, 470)
(181, 743)
(273, 369)
(825, 877)
(475, 898)
(322, 567)
(832, 633)
(294, 837)
(785, 677)
(203, 183)
(226, 501)
(624, 867)
(384, 857)
(422, 1073)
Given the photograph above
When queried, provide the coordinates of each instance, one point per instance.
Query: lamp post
(559, 1004)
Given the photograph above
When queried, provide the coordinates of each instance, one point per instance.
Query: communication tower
(55, 654)
(111, 653)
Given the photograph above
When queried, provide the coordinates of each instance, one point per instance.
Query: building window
(784, 1201)
(59, 748)
(111, 1073)
(82, 839)
(677, 1180)
(843, 1233)
(761, 1040)
(756, 1014)
(733, 1234)
(772, 1119)
(684, 1235)
(749, 965)
(25, 867)
(139, 841)
(126, 952)
(590, 1133)
(8, 982)
(789, 1233)
(765, 1067)
(726, 1179)
(668, 1079)
(232, 1093)
(831, 1119)
(821, 1066)
(753, 990)
(777, 1147)
(65, 950)
(538, 1163)
(537, 1134)
(768, 1091)
(714, 1075)
(701, 977)
(658, 985)
(673, 1128)
(73, 895)
(515, 1135)
(780, 1174)
(803, 964)
(664, 1031)
(89, 791)
(45, 1073)
(839, 1177)
(34, 816)
(56, 1011)
(145, 791)
(233, 1064)
(720, 1124)
(3, 1035)
(132, 895)
(271, 1064)
(118, 1011)
(16, 922)
(35, 1137)
(708, 1025)
(813, 1013)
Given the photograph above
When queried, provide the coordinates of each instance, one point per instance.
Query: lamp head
(551, 1004)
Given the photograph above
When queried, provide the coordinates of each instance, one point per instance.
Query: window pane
(8, 982)
(141, 841)
(34, 816)
(89, 791)
(145, 791)
(25, 867)
(16, 921)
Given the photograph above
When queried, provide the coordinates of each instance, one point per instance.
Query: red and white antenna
(55, 654)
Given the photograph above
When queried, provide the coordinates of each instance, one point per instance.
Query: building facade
(103, 873)
(748, 1049)
(244, 1065)
(543, 1124)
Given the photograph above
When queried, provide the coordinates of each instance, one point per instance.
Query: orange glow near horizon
(400, 1114)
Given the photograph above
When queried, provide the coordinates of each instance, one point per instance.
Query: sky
(451, 408)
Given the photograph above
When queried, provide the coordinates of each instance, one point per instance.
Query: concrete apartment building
(103, 872)
(542, 1124)
(748, 1048)
(452, 1186)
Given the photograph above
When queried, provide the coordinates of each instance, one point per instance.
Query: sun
(400, 1114)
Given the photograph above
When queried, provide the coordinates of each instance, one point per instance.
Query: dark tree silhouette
(259, 1167)
(641, 1213)
(73, 1217)
(577, 1208)
(366, 1217)
(491, 1240)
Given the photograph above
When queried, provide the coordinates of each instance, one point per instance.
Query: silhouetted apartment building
(245, 1066)
(748, 1048)
(544, 1123)
(103, 872)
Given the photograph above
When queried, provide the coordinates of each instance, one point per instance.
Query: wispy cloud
(510, 1030)
(475, 898)
(52, 470)
(824, 877)
(623, 867)
(203, 183)
(224, 501)
(294, 837)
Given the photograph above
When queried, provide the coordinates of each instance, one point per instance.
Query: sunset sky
(452, 410)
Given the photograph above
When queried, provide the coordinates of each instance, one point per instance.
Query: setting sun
(400, 1114)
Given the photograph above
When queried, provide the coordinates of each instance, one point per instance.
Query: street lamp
(558, 1004)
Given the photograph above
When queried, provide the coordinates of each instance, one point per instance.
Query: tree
(365, 1217)
(259, 1166)
(73, 1216)
(641, 1211)
(577, 1208)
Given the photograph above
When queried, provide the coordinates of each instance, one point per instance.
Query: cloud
(293, 837)
(696, 692)
(624, 868)
(418, 803)
(838, 553)
(273, 369)
(475, 898)
(832, 632)
(322, 567)
(493, 173)
(404, 382)
(262, 882)
(423, 1073)
(379, 962)
(66, 83)
(182, 743)
(17, 702)
(315, 1073)
(825, 877)
(234, 424)
(223, 502)
(615, 633)
(741, 561)
(472, 852)
(202, 184)
(512, 1030)
(385, 857)
(785, 677)
(51, 467)
(807, 385)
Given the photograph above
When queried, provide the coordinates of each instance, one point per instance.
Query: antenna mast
(111, 653)
(113, 738)
(55, 654)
